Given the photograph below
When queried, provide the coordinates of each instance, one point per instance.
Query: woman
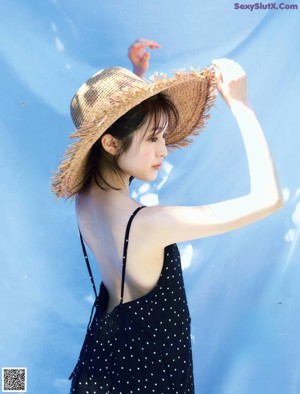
(139, 337)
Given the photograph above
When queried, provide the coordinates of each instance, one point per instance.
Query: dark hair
(123, 129)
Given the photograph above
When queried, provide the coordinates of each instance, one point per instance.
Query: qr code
(14, 380)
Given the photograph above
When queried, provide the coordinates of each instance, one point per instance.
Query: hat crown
(101, 90)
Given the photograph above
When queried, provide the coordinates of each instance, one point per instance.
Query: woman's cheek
(147, 151)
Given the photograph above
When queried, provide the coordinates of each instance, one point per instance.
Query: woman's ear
(110, 144)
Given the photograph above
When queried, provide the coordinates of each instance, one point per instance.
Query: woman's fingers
(143, 43)
(229, 69)
(146, 42)
(137, 51)
(138, 55)
(231, 80)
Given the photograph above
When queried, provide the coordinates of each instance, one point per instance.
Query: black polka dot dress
(142, 346)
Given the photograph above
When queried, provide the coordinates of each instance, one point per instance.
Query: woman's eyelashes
(155, 138)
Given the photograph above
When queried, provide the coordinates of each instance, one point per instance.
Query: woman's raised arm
(166, 225)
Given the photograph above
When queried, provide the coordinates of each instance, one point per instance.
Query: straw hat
(112, 92)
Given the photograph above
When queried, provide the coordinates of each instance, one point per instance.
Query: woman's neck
(114, 182)
(109, 194)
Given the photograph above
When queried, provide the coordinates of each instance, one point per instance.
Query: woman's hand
(231, 81)
(139, 57)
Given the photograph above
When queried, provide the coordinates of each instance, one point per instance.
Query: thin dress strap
(88, 264)
(91, 277)
(125, 250)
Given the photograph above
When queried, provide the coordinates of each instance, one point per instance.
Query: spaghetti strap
(88, 264)
(125, 250)
(91, 277)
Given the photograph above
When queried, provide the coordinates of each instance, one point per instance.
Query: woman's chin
(148, 178)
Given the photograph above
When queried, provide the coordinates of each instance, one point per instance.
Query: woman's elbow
(263, 207)
(275, 204)
(279, 203)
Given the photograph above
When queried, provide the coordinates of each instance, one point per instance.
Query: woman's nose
(164, 150)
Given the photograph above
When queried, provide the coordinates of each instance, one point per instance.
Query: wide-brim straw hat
(112, 92)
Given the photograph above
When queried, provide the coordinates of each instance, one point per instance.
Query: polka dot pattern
(142, 346)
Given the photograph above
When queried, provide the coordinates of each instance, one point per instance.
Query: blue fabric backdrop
(243, 286)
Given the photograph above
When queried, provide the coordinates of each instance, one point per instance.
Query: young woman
(138, 340)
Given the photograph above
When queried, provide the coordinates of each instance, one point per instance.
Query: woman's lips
(157, 166)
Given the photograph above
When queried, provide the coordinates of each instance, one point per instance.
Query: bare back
(102, 221)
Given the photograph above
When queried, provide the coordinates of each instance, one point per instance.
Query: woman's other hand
(139, 57)
(231, 81)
